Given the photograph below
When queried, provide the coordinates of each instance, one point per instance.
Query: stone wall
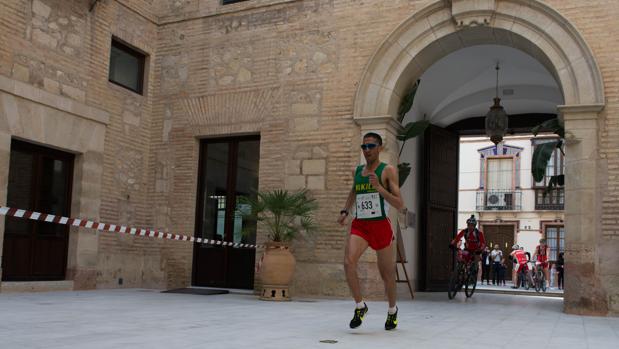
(285, 69)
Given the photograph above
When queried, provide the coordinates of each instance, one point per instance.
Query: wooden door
(228, 171)
(502, 235)
(439, 206)
(39, 180)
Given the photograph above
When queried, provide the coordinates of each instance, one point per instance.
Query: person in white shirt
(496, 256)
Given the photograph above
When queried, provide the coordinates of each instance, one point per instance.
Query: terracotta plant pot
(276, 272)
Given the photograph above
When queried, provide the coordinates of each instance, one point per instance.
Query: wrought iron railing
(552, 199)
(499, 200)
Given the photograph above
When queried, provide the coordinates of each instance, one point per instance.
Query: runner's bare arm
(392, 192)
(349, 201)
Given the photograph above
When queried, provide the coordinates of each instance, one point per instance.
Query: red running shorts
(377, 233)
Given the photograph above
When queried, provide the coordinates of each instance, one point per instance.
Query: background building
(496, 185)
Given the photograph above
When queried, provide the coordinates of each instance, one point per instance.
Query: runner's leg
(354, 249)
(386, 266)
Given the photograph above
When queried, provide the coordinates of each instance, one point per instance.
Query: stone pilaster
(584, 292)
(5, 153)
(387, 127)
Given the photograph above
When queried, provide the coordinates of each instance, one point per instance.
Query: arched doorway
(538, 30)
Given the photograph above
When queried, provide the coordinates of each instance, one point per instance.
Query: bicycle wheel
(538, 281)
(527, 283)
(453, 286)
(471, 282)
(543, 281)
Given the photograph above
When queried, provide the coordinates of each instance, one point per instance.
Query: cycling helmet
(471, 220)
(515, 247)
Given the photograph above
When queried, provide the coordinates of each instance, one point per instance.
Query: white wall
(528, 230)
(410, 196)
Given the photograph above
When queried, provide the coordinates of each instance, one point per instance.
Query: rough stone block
(41, 9)
(314, 167)
(295, 182)
(304, 124)
(293, 167)
(316, 182)
(44, 39)
(73, 92)
(304, 108)
(51, 85)
(21, 72)
(74, 40)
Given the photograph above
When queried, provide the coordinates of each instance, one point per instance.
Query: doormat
(198, 291)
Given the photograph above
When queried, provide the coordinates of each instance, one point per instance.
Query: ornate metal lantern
(496, 118)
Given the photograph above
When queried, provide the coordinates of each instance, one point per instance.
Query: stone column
(387, 127)
(84, 243)
(584, 293)
(5, 155)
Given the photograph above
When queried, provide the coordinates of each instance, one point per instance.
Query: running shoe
(392, 320)
(357, 318)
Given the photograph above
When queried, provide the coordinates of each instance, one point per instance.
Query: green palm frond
(285, 214)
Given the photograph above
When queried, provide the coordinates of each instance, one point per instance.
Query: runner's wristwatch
(344, 212)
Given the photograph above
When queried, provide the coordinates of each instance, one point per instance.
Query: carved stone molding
(472, 13)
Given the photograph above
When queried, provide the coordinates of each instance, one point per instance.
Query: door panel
(39, 180)
(438, 206)
(228, 171)
(503, 235)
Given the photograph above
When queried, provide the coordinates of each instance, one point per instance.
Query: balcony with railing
(552, 199)
(499, 200)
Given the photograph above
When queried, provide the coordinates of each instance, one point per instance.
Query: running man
(375, 188)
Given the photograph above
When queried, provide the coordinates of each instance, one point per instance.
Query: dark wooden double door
(438, 206)
(39, 180)
(228, 171)
(502, 235)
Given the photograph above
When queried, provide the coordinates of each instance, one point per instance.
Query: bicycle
(463, 275)
(524, 280)
(539, 279)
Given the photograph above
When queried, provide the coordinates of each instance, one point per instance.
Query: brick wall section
(308, 55)
(61, 47)
(311, 55)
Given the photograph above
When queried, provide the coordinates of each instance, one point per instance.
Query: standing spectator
(497, 258)
(560, 263)
(485, 266)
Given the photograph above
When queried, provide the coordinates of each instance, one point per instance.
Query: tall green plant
(543, 152)
(284, 214)
(409, 131)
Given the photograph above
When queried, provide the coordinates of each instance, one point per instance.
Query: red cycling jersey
(475, 240)
(541, 254)
(520, 256)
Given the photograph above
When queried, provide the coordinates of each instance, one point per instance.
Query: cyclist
(541, 255)
(520, 260)
(475, 242)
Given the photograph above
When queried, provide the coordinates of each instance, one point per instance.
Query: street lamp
(496, 118)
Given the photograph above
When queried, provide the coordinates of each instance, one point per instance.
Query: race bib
(368, 206)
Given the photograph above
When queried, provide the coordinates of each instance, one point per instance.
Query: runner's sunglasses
(368, 146)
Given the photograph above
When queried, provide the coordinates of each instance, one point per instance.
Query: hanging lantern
(496, 118)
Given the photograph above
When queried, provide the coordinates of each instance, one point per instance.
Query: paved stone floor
(149, 319)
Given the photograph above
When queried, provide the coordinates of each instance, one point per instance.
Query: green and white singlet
(370, 204)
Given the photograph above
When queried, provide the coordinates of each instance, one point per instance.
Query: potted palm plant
(285, 216)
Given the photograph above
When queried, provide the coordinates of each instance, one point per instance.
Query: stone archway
(530, 26)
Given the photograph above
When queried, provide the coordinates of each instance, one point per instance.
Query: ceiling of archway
(461, 85)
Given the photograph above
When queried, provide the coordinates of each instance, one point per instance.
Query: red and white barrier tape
(113, 228)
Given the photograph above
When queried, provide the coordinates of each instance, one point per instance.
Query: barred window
(555, 238)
